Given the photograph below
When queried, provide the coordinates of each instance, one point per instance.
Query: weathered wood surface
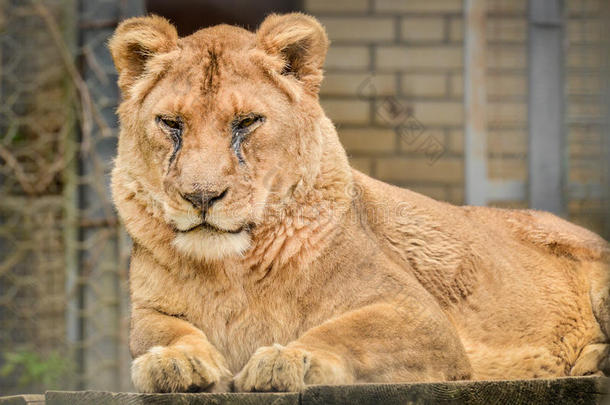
(571, 390)
(586, 390)
(29, 399)
(130, 398)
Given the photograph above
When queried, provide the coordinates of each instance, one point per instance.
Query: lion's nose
(205, 199)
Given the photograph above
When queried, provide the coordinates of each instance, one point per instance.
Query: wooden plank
(547, 160)
(475, 101)
(129, 398)
(568, 390)
(588, 390)
(28, 399)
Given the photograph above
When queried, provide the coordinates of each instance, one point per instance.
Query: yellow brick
(586, 206)
(585, 84)
(506, 113)
(445, 6)
(498, 85)
(359, 84)
(422, 29)
(417, 142)
(368, 140)
(507, 30)
(429, 85)
(586, 134)
(322, 6)
(506, 85)
(456, 85)
(584, 7)
(362, 164)
(507, 142)
(425, 113)
(584, 57)
(506, 6)
(585, 150)
(431, 113)
(397, 57)
(348, 57)
(585, 171)
(409, 169)
(364, 29)
(456, 30)
(508, 168)
(498, 141)
(585, 110)
(506, 57)
(498, 29)
(587, 30)
(456, 141)
(347, 111)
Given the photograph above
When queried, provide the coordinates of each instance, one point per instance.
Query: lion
(263, 262)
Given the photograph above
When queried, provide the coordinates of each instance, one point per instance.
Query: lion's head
(217, 125)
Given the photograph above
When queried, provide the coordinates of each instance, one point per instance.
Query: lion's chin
(207, 245)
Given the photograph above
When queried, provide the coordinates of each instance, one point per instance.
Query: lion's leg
(385, 342)
(594, 359)
(171, 355)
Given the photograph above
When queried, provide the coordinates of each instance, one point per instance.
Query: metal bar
(547, 159)
(606, 99)
(475, 100)
(70, 202)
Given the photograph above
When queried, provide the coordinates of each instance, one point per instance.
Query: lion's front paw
(174, 369)
(274, 368)
(290, 368)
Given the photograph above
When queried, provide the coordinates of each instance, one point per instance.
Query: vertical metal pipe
(475, 100)
(547, 159)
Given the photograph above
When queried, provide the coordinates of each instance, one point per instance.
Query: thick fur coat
(263, 262)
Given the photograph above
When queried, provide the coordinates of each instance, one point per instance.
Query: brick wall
(586, 125)
(400, 63)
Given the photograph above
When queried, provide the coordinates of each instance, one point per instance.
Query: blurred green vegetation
(33, 371)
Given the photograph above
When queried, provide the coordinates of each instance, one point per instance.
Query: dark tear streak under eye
(238, 138)
(177, 145)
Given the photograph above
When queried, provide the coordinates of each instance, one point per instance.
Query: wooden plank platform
(569, 390)
(29, 399)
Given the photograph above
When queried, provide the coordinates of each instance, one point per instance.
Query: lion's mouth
(210, 227)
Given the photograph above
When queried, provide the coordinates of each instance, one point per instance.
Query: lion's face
(220, 125)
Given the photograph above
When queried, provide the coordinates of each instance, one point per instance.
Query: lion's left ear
(135, 41)
(300, 40)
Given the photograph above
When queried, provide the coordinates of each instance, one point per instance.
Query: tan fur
(329, 276)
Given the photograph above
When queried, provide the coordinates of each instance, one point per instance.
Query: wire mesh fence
(64, 257)
(35, 123)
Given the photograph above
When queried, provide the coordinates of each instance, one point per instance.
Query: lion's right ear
(135, 41)
(300, 41)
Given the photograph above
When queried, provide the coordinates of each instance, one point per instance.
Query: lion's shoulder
(557, 235)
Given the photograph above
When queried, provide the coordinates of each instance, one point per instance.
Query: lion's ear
(300, 40)
(135, 41)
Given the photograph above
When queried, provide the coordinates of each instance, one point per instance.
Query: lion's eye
(170, 123)
(241, 128)
(247, 122)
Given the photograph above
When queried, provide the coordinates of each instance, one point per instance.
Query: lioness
(263, 262)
